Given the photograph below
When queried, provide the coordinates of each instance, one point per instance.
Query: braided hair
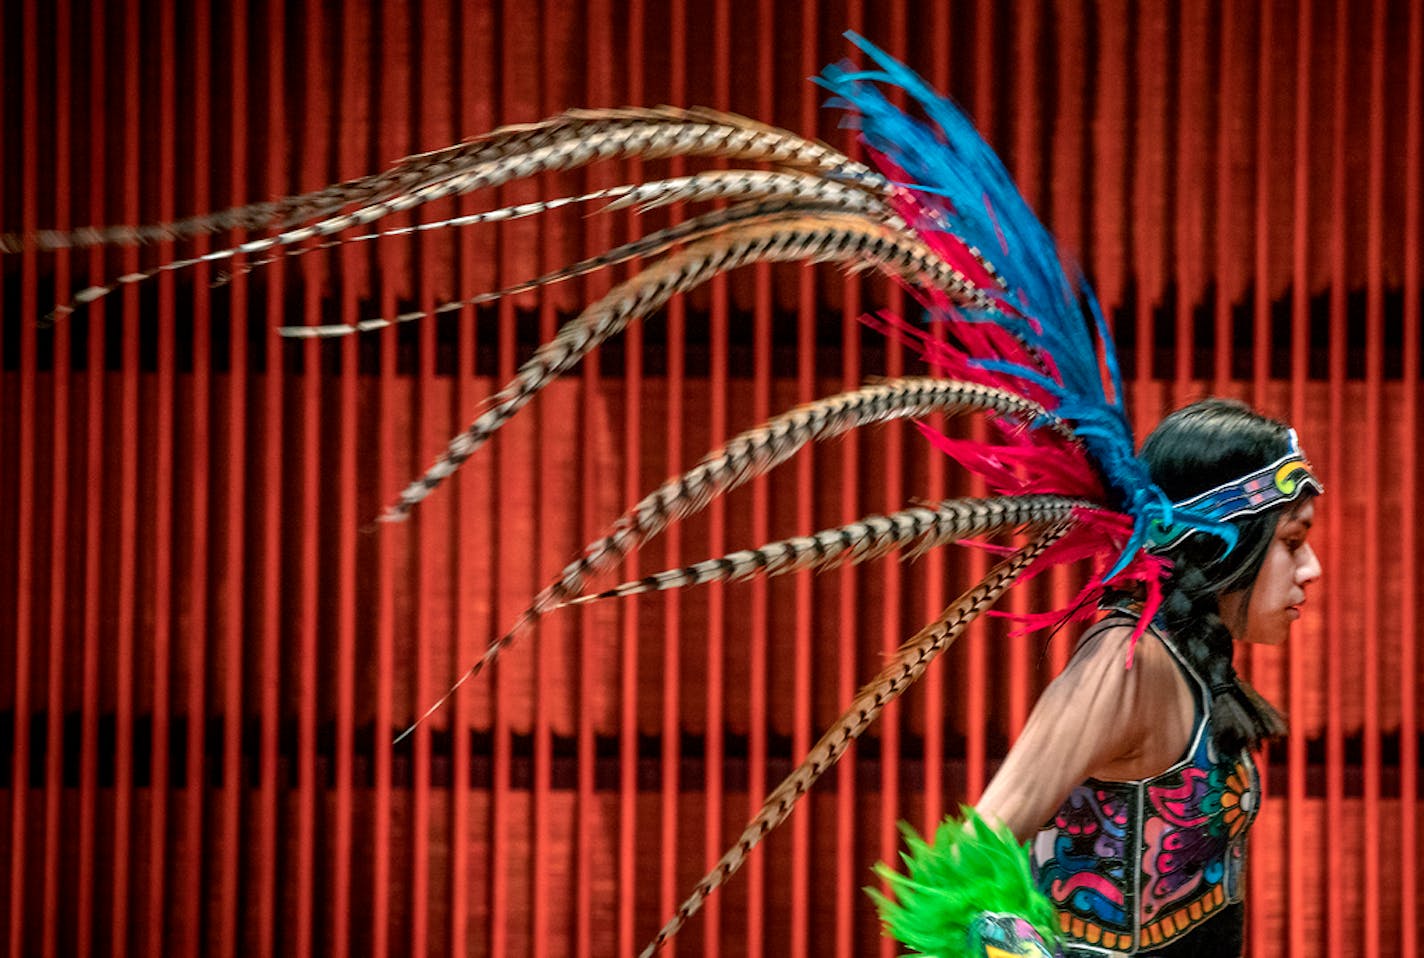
(1195, 449)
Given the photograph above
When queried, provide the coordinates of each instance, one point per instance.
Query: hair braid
(1241, 717)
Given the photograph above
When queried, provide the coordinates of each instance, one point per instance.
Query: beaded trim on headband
(1285, 480)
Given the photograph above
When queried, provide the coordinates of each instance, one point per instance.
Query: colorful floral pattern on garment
(1133, 865)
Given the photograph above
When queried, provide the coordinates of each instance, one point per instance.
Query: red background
(207, 650)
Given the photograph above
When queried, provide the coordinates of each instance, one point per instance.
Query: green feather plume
(970, 868)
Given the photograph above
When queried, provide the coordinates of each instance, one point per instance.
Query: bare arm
(1098, 719)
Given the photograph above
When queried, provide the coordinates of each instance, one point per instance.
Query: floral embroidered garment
(1132, 866)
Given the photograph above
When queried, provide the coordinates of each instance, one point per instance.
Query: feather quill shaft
(903, 669)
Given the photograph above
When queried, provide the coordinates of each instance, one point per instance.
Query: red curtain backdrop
(208, 646)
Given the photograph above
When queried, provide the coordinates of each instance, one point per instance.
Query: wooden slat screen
(208, 647)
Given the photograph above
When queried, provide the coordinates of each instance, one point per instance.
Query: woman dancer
(1133, 781)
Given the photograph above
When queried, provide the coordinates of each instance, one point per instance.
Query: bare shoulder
(1097, 719)
(1112, 645)
(1121, 674)
(1147, 709)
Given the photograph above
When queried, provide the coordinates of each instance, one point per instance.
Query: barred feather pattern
(652, 244)
(591, 144)
(748, 455)
(814, 239)
(697, 188)
(762, 448)
(501, 156)
(287, 210)
(904, 668)
(919, 529)
(651, 133)
(560, 142)
(252, 216)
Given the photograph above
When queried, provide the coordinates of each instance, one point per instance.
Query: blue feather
(953, 170)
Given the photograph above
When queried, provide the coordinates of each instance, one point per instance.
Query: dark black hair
(1195, 449)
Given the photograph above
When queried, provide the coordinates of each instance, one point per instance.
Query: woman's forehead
(1302, 512)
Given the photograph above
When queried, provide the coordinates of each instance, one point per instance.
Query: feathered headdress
(1024, 343)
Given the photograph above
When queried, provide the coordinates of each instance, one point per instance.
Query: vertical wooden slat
(195, 637)
(164, 498)
(802, 714)
(465, 510)
(847, 807)
(1225, 261)
(389, 82)
(500, 811)
(759, 637)
(599, 53)
(1186, 237)
(476, 113)
(1145, 52)
(312, 174)
(273, 574)
(714, 751)
(94, 504)
(628, 692)
(13, 913)
(348, 88)
(232, 577)
(1409, 485)
(426, 539)
(1262, 251)
(671, 728)
(543, 255)
(1109, 192)
(847, 880)
(61, 616)
(24, 520)
(124, 578)
(1374, 411)
(26, 441)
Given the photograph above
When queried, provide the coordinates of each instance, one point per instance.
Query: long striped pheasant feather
(742, 458)
(916, 530)
(904, 668)
(828, 237)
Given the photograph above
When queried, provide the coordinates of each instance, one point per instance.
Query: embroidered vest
(1133, 865)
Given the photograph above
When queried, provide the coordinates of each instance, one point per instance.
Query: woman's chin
(1272, 633)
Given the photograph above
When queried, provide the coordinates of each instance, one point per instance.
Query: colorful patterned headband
(1285, 480)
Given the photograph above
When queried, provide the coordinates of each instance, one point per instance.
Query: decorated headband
(1283, 481)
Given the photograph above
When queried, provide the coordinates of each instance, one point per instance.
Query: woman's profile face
(1278, 593)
